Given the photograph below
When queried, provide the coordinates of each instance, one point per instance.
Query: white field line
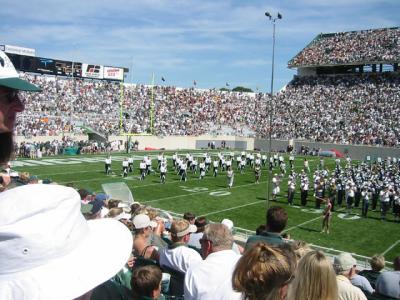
(233, 208)
(390, 248)
(64, 173)
(306, 222)
(189, 194)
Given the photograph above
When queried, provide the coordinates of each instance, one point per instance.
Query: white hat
(9, 77)
(228, 223)
(344, 261)
(143, 221)
(47, 248)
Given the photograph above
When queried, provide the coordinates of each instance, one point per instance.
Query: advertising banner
(92, 71)
(19, 50)
(113, 73)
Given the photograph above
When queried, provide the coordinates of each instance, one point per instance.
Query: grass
(244, 204)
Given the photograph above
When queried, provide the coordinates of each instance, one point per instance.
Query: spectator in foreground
(75, 261)
(377, 263)
(345, 268)
(194, 240)
(388, 283)
(146, 283)
(314, 279)
(178, 256)
(143, 230)
(264, 272)
(276, 221)
(203, 279)
(10, 105)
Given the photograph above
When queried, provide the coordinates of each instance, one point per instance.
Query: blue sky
(210, 41)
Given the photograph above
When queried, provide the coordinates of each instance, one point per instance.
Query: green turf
(245, 204)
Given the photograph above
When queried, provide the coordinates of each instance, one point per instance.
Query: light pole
(273, 20)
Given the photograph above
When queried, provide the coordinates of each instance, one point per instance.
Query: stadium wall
(357, 152)
(188, 142)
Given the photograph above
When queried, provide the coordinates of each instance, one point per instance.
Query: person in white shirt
(183, 171)
(178, 256)
(202, 167)
(107, 165)
(215, 167)
(385, 202)
(142, 167)
(230, 175)
(163, 172)
(130, 164)
(345, 268)
(204, 278)
(148, 165)
(125, 166)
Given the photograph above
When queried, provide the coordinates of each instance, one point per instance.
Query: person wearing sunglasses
(11, 103)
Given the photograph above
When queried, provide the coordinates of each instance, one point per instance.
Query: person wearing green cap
(10, 105)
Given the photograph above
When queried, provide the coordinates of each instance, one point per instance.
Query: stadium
(331, 135)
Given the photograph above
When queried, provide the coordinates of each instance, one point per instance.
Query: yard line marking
(304, 223)
(309, 221)
(189, 194)
(233, 208)
(390, 248)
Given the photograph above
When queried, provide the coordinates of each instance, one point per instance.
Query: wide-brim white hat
(49, 251)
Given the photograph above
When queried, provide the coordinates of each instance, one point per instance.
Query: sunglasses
(10, 97)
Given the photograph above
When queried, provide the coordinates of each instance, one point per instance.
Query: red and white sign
(92, 71)
(113, 73)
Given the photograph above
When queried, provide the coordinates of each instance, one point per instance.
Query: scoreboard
(42, 65)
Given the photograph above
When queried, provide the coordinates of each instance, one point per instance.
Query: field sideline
(244, 204)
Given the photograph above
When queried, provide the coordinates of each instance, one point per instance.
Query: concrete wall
(357, 152)
(187, 142)
(192, 142)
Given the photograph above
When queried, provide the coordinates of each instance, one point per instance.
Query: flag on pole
(227, 84)
(194, 82)
(162, 78)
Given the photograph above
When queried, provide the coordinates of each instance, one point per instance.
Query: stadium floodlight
(269, 181)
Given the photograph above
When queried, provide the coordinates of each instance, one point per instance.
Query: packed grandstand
(357, 107)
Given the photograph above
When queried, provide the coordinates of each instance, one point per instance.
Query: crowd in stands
(342, 109)
(375, 45)
(163, 264)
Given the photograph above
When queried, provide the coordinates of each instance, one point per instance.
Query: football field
(245, 203)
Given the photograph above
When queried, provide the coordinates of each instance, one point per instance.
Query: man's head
(190, 217)
(276, 219)
(216, 237)
(146, 282)
(10, 103)
(181, 230)
(345, 264)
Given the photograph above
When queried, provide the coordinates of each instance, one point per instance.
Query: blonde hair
(262, 271)
(315, 279)
(377, 262)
